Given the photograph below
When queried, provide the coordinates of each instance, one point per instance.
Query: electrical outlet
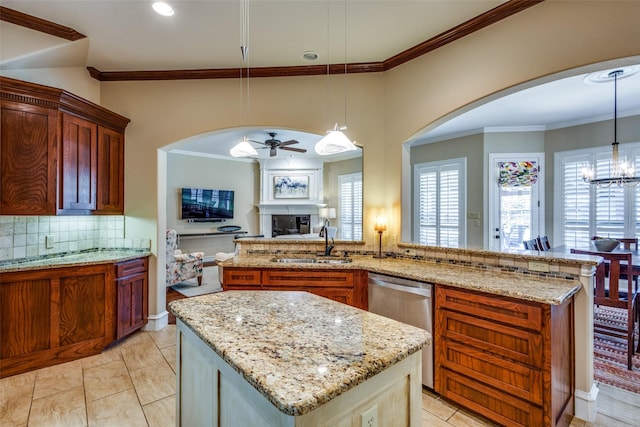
(49, 240)
(539, 266)
(370, 417)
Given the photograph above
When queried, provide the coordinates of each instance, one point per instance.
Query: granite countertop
(100, 256)
(297, 349)
(529, 287)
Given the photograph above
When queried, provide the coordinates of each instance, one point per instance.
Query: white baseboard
(587, 404)
(157, 322)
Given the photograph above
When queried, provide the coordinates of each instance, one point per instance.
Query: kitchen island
(293, 358)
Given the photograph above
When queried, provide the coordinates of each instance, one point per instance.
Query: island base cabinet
(345, 286)
(212, 393)
(507, 359)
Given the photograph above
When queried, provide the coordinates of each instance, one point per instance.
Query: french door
(516, 199)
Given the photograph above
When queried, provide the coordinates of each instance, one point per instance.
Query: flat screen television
(206, 205)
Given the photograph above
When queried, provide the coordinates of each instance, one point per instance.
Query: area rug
(610, 354)
(210, 284)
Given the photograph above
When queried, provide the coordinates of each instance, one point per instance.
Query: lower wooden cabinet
(57, 315)
(509, 360)
(345, 286)
(132, 287)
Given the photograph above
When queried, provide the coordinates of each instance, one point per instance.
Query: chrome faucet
(324, 231)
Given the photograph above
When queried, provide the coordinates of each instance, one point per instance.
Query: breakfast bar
(293, 358)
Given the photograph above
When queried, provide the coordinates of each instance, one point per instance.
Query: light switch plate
(49, 241)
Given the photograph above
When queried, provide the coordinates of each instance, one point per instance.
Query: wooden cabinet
(78, 160)
(509, 360)
(57, 315)
(28, 158)
(53, 316)
(110, 172)
(345, 286)
(60, 154)
(132, 287)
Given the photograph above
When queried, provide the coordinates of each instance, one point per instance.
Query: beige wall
(470, 148)
(551, 37)
(331, 173)
(383, 109)
(187, 171)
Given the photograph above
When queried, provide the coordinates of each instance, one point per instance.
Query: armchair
(181, 267)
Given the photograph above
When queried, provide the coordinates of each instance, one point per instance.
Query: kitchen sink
(333, 260)
(318, 260)
(295, 260)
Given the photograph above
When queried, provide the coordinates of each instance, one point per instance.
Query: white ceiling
(126, 35)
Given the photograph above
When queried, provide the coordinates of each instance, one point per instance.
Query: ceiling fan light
(243, 149)
(333, 143)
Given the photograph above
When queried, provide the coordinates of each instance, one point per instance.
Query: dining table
(635, 255)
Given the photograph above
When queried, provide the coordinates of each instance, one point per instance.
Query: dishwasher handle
(421, 289)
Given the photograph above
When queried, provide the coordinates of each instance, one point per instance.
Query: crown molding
(481, 21)
(37, 24)
(477, 23)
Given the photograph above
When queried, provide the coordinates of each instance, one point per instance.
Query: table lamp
(380, 225)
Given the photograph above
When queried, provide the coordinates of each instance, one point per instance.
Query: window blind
(440, 203)
(350, 206)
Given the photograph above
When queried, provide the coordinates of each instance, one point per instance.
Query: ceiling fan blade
(257, 142)
(299, 150)
(272, 152)
(290, 142)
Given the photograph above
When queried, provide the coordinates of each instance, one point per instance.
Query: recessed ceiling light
(162, 8)
(310, 56)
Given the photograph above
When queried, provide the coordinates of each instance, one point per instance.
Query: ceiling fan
(272, 144)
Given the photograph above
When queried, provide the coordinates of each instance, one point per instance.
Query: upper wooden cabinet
(60, 153)
(28, 155)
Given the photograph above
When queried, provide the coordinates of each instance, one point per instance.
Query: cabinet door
(110, 177)
(28, 156)
(52, 316)
(79, 164)
(132, 304)
(131, 293)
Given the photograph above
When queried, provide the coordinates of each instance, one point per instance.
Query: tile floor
(133, 384)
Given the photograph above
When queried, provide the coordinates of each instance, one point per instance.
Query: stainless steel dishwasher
(406, 301)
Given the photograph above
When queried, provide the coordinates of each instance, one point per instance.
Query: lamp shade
(380, 224)
(243, 149)
(329, 213)
(334, 142)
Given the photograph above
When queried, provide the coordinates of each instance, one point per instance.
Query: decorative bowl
(605, 245)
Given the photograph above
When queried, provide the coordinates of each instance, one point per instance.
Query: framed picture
(291, 187)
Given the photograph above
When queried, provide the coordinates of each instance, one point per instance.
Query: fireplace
(290, 224)
(279, 220)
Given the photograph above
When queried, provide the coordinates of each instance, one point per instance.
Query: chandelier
(621, 173)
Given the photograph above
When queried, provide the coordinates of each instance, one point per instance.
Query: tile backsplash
(33, 236)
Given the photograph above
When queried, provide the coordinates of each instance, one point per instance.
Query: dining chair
(613, 291)
(627, 242)
(543, 243)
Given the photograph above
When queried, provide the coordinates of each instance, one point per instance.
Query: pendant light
(622, 174)
(336, 141)
(244, 148)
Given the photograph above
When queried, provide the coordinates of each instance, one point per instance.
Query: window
(587, 210)
(439, 210)
(350, 206)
